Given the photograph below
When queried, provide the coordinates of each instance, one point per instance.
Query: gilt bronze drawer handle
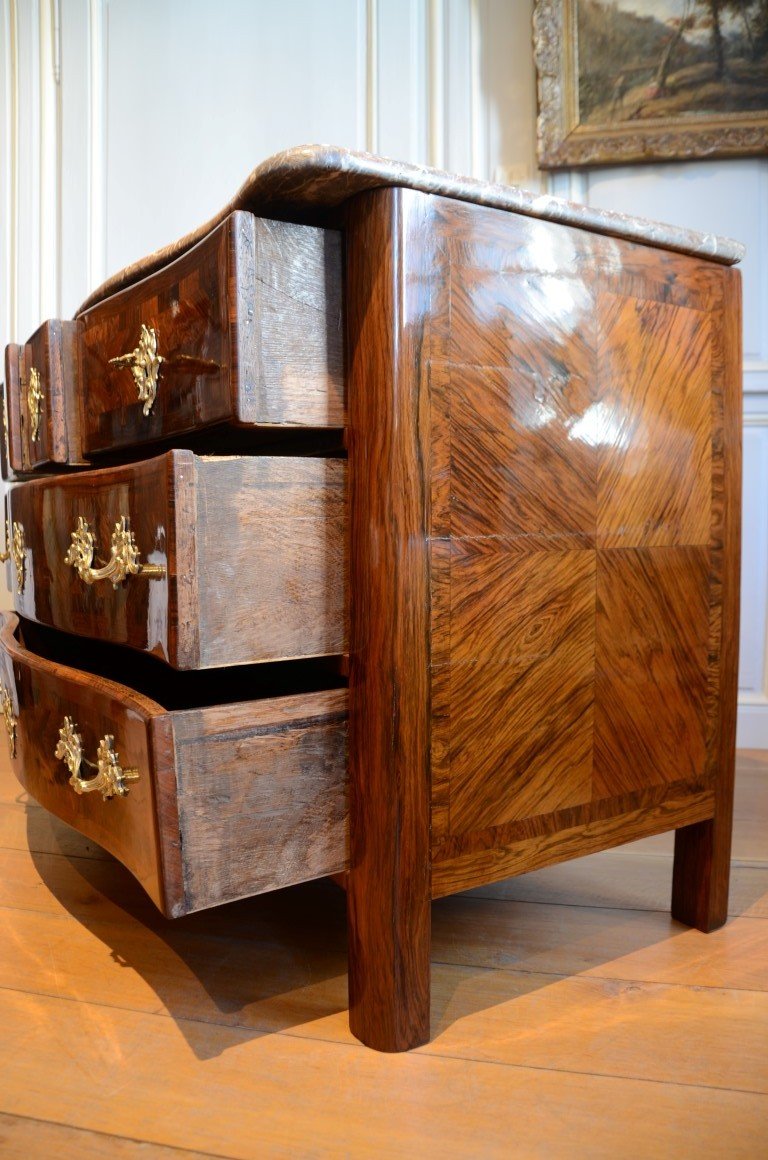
(123, 561)
(35, 398)
(15, 549)
(144, 363)
(6, 703)
(110, 778)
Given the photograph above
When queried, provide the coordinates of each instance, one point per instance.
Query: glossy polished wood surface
(232, 798)
(248, 325)
(581, 521)
(43, 693)
(253, 549)
(389, 889)
(53, 352)
(557, 422)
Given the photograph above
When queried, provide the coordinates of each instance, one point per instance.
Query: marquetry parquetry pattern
(575, 499)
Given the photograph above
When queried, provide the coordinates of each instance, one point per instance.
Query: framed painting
(647, 80)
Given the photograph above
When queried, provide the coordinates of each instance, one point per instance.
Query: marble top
(300, 183)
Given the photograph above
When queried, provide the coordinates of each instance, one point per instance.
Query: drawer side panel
(261, 795)
(271, 561)
(288, 347)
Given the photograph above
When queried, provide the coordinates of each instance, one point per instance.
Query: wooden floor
(571, 1016)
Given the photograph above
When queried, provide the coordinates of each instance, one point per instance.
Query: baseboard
(752, 727)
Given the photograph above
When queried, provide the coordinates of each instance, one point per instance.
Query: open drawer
(242, 331)
(201, 560)
(207, 786)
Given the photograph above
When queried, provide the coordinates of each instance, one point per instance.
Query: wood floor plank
(606, 943)
(573, 1023)
(556, 1007)
(604, 1027)
(25, 1139)
(308, 923)
(276, 1095)
(29, 827)
(624, 879)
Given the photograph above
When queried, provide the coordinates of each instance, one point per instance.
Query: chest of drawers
(387, 526)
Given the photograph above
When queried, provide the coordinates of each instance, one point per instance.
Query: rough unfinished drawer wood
(231, 799)
(245, 556)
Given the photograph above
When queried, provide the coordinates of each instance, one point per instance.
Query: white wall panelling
(114, 142)
(725, 197)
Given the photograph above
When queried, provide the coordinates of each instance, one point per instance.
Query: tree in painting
(647, 59)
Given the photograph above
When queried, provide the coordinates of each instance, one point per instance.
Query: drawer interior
(174, 690)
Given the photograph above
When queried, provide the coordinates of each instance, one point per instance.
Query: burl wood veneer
(544, 481)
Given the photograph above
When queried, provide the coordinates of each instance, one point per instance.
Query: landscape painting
(627, 80)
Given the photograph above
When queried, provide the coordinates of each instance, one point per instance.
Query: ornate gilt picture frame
(646, 80)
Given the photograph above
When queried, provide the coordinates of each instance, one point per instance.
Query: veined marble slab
(303, 183)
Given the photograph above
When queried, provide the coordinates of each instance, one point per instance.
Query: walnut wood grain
(248, 325)
(53, 352)
(578, 453)
(253, 549)
(43, 693)
(498, 860)
(702, 851)
(389, 248)
(232, 799)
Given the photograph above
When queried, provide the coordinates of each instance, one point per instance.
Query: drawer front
(235, 560)
(42, 409)
(245, 328)
(43, 514)
(37, 699)
(228, 800)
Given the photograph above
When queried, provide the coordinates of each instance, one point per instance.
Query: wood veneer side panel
(701, 871)
(389, 274)
(498, 861)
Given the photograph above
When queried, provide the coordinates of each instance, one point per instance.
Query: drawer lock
(123, 561)
(110, 780)
(144, 363)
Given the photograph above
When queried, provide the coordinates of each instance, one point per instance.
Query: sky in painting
(661, 9)
(664, 9)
